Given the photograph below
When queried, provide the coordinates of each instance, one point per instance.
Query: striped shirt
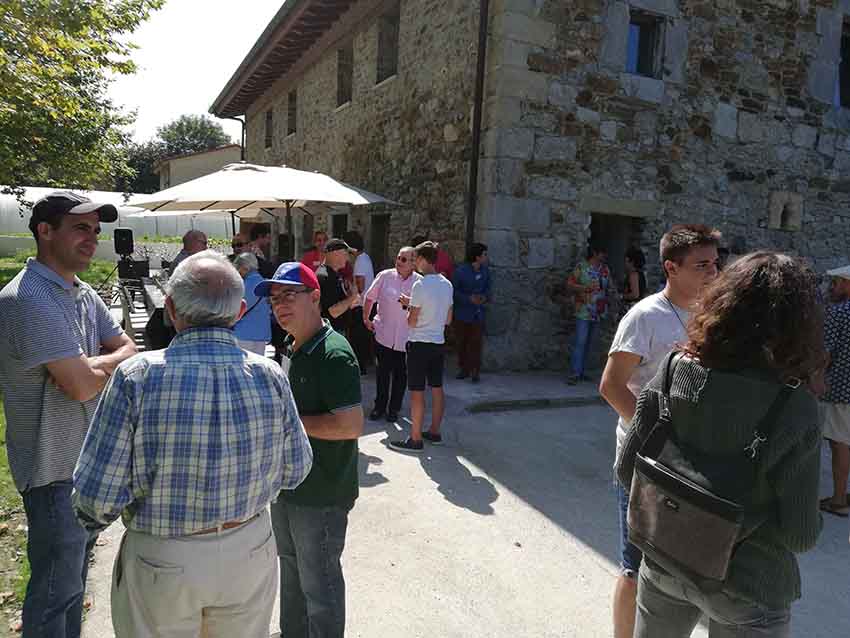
(44, 318)
(190, 437)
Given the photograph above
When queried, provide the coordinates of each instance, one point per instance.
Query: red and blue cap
(292, 273)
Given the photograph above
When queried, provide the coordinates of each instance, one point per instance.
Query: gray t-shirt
(44, 318)
(650, 330)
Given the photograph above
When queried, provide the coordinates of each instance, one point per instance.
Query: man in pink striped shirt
(390, 328)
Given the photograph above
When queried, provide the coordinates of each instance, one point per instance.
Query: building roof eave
(291, 32)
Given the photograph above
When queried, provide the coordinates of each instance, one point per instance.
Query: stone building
(610, 119)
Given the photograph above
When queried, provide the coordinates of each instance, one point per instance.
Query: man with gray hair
(254, 329)
(194, 241)
(189, 445)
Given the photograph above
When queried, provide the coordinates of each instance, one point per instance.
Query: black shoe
(376, 414)
(408, 445)
(392, 417)
(436, 439)
(475, 378)
(461, 375)
(572, 379)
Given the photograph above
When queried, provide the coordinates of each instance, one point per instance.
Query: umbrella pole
(233, 223)
(289, 239)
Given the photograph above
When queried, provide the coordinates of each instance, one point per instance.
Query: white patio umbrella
(243, 189)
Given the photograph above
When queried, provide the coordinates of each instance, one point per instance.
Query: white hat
(844, 272)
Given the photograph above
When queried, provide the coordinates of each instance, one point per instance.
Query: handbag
(684, 511)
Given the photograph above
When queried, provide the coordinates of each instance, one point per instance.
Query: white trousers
(219, 585)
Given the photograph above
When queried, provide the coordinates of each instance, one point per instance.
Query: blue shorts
(630, 556)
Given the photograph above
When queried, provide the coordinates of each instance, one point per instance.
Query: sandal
(826, 505)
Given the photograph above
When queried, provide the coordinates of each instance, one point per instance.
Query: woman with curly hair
(758, 328)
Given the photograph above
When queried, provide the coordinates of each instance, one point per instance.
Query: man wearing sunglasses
(310, 522)
(390, 328)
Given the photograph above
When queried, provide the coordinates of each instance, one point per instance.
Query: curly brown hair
(761, 312)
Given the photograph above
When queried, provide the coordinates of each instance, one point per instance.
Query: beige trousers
(219, 585)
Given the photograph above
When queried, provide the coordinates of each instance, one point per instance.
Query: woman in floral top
(589, 282)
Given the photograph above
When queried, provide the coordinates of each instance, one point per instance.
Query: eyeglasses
(289, 294)
(401, 259)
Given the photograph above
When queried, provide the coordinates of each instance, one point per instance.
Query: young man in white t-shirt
(364, 274)
(429, 312)
(650, 330)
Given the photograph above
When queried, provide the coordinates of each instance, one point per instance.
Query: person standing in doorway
(471, 285)
(391, 332)
(644, 337)
(59, 346)
(313, 257)
(835, 402)
(634, 287)
(429, 310)
(364, 275)
(589, 282)
(310, 522)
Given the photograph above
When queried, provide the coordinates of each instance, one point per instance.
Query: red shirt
(313, 259)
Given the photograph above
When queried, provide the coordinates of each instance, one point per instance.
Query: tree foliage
(190, 134)
(141, 159)
(57, 125)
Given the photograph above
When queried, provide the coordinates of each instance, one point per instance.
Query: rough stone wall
(736, 132)
(407, 138)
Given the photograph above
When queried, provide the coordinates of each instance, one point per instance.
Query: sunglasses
(402, 259)
(289, 294)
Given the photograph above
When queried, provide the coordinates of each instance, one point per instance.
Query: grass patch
(96, 273)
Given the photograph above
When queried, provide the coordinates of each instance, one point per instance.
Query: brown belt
(224, 526)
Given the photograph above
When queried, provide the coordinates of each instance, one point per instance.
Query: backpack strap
(670, 364)
(768, 421)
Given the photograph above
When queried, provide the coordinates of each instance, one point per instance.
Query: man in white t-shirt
(364, 274)
(650, 330)
(429, 312)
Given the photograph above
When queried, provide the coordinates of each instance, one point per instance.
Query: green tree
(57, 125)
(141, 158)
(190, 134)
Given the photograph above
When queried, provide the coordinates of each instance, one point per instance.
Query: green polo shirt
(325, 377)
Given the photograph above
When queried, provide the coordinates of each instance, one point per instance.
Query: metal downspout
(477, 112)
(242, 143)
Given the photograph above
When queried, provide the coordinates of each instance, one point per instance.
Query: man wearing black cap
(337, 298)
(58, 347)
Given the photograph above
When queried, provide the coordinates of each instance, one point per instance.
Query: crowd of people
(235, 476)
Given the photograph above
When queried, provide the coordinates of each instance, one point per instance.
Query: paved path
(508, 530)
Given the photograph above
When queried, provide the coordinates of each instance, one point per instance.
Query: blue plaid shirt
(189, 437)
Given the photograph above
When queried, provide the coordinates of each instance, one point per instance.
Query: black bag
(682, 512)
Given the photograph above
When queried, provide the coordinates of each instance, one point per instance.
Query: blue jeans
(669, 608)
(630, 556)
(57, 549)
(585, 333)
(310, 541)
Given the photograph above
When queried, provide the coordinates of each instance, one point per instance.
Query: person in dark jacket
(759, 328)
(471, 282)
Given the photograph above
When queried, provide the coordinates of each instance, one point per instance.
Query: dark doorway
(617, 233)
(339, 224)
(379, 238)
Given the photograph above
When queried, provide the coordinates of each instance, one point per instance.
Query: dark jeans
(668, 608)
(392, 364)
(310, 541)
(585, 333)
(361, 340)
(57, 549)
(468, 336)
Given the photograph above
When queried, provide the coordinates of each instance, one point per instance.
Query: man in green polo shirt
(310, 522)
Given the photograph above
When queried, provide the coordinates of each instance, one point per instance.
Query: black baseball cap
(68, 203)
(336, 244)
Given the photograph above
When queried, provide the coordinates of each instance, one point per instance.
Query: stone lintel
(593, 203)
